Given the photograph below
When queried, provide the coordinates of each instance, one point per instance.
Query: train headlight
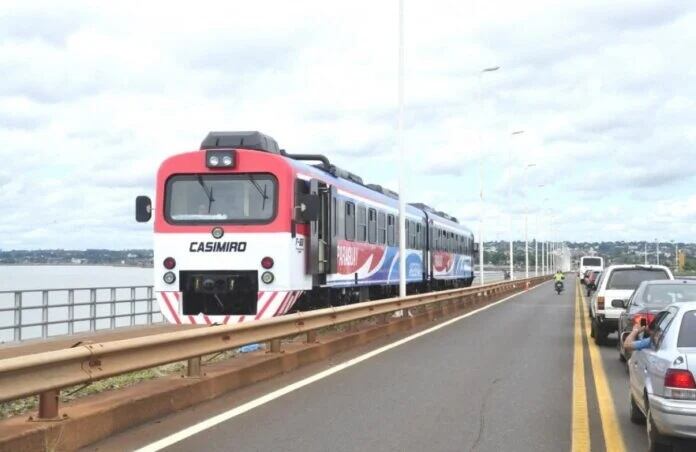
(169, 277)
(220, 159)
(267, 277)
(218, 232)
(169, 263)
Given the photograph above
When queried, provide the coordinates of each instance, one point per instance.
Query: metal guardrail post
(132, 306)
(150, 298)
(311, 337)
(44, 314)
(48, 404)
(112, 308)
(71, 311)
(93, 309)
(274, 346)
(17, 316)
(193, 367)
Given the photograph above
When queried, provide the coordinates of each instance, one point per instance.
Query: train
(245, 231)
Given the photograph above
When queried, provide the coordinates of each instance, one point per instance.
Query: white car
(615, 286)
(662, 383)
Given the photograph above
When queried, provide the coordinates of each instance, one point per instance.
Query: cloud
(95, 97)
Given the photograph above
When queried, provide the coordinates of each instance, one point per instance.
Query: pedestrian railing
(40, 314)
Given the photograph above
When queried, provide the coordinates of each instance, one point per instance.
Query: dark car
(650, 298)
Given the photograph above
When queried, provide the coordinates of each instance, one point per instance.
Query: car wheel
(600, 336)
(656, 441)
(637, 416)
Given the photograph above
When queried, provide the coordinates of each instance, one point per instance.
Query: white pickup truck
(617, 284)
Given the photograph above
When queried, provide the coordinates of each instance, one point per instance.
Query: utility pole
(646, 253)
(657, 251)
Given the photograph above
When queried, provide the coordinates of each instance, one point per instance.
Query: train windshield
(221, 198)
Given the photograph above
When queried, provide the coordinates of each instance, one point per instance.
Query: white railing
(43, 313)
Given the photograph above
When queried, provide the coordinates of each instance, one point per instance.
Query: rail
(44, 313)
(47, 373)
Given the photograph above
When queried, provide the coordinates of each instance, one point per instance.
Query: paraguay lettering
(218, 247)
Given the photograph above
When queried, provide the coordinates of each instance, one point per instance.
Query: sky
(93, 96)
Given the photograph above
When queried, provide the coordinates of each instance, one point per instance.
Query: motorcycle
(559, 287)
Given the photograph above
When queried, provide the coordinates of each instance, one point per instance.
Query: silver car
(662, 383)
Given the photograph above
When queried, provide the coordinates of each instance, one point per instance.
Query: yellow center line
(613, 438)
(581, 425)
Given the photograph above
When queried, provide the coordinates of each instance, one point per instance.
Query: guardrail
(47, 373)
(43, 313)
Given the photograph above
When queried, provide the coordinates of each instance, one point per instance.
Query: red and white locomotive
(245, 231)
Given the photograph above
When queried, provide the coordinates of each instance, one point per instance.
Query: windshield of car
(687, 331)
(591, 261)
(630, 278)
(658, 295)
(220, 198)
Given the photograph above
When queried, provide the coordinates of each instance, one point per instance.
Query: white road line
(227, 415)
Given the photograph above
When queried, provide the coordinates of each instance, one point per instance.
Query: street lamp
(676, 256)
(402, 158)
(536, 241)
(657, 251)
(526, 216)
(481, 265)
(512, 255)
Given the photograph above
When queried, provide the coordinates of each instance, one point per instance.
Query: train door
(322, 246)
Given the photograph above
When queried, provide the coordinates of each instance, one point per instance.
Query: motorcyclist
(558, 281)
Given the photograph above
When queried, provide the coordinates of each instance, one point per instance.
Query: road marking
(581, 425)
(227, 415)
(613, 438)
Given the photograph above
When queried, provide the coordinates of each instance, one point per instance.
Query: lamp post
(536, 242)
(526, 217)
(512, 255)
(402, 158)
(676, 256)
(657, 251)
(481, 174)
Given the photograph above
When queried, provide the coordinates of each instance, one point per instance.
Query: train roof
(258, 141)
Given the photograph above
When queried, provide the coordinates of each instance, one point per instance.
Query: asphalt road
(500, 379)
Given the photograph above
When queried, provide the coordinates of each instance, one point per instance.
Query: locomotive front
(227, 247)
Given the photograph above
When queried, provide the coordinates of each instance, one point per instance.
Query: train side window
(390, 230)
(362, 224)
(418, 236)
(372, 225)
(334, 211)
(381, 228)
(350, 221)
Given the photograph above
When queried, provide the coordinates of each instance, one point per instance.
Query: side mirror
(617, 304)
(307, 208)
(143, 209)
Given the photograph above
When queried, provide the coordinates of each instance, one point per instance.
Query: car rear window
(687, 331)
(664, 294)
(591, 262)
(630, 278)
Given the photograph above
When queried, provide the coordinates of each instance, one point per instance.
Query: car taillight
(600, 303)
(640, 316)
(680, 384)
(169, 263)
(267, 262)
(679, 378)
